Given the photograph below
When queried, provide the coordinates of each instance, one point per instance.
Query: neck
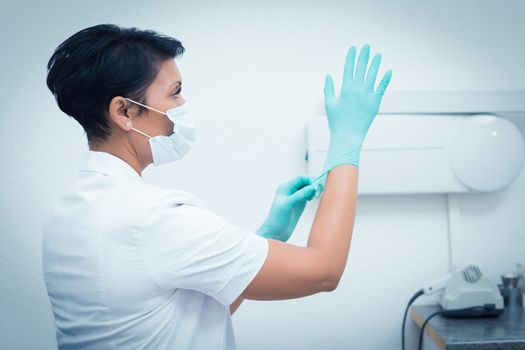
(127, 154)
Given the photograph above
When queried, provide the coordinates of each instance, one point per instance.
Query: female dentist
(128, 265)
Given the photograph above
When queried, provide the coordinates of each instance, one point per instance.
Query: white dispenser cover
(405, 154)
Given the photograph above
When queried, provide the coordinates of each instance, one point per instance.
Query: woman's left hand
(287, 207)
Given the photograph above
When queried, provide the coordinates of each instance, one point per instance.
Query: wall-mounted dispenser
(429, 153)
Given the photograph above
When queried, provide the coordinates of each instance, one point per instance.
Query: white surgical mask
(166, 149)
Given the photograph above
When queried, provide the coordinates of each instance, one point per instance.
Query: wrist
(338, 157)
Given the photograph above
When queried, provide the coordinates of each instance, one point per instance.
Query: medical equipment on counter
(521, 282)
(468, 288)
(464, 293)
(511, 291)
(465, 288)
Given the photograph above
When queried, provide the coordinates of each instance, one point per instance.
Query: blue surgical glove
(351, 114)
(287, 207)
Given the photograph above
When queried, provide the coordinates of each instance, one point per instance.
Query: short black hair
(98, 63)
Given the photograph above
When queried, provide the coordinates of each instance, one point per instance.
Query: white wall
(255, 73)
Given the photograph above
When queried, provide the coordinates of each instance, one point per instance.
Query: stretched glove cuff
(350, 157)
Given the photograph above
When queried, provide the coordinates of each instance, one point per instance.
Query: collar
(107, 164)
(110, 165)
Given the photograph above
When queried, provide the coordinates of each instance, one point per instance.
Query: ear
(119, 113)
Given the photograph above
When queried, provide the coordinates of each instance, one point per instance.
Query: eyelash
(176, 93)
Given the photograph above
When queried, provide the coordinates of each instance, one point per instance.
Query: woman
(128, 265)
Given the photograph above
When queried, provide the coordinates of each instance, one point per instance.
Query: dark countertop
(506, 332)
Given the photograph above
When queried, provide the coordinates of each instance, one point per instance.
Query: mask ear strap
(140, 104)
(140, 132)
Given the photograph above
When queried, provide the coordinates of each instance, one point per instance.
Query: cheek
(161, 125)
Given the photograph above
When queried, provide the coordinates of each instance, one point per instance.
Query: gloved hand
(287, 207)
(350, 115)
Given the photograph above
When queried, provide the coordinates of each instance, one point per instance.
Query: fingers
(311, 193)
(362, 62)
(360, 71)
(294, 184)
(328, 90)
(348, 74)
(299, 182)
(384, 84)
(372, 73)
(305, 193)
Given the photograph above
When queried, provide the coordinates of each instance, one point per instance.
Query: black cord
(422, 331)
(414, 297)
(473, 311)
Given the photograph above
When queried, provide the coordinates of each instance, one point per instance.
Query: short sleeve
(191, 247)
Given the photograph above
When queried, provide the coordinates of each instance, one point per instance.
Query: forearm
(332, 229)
(349, 118)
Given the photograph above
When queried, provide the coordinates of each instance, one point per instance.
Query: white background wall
(255, 72)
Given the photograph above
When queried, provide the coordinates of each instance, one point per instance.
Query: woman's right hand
(351, 114)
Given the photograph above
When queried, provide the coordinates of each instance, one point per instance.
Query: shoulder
(167, 209)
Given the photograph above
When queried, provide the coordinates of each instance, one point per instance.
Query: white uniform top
(128, 265)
